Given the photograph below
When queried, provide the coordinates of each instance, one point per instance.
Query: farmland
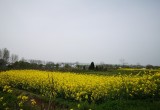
(91, 89)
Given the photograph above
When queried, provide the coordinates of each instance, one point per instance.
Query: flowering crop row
(83, 86)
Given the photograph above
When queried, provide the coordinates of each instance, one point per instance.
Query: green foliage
(92, 67)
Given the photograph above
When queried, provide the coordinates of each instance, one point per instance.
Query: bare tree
(5, 55)
(123, 62)
(23, 59)
(35, 61)
(14, 58)
(0, 54)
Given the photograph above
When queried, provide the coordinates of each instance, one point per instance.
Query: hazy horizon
(82, 30)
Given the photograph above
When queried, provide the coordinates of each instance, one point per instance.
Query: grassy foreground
(79, 91)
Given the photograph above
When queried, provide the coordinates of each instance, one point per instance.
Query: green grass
(129, 105)
(62, 104)
(121, 71)
(112, 105)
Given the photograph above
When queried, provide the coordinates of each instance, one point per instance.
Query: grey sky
(82, 30)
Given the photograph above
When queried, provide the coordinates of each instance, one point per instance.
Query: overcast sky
(82, 30)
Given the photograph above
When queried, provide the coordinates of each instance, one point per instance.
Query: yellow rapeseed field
(83, 86)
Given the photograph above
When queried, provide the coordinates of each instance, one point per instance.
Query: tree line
(11, 61)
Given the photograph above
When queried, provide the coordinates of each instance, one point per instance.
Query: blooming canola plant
(82, 87)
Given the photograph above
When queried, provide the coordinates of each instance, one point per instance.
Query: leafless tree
(0, 54)
(5, 55)
(14, 58)
(123, 62)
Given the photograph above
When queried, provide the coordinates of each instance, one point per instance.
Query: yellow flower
(78, 105)
(33, 102)
(86, 97)
(20, 104)
(4, 104)
(1, 99)
(19, 97)
(9, 91)
(24, 98)
(80, 86)
(6, 88)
